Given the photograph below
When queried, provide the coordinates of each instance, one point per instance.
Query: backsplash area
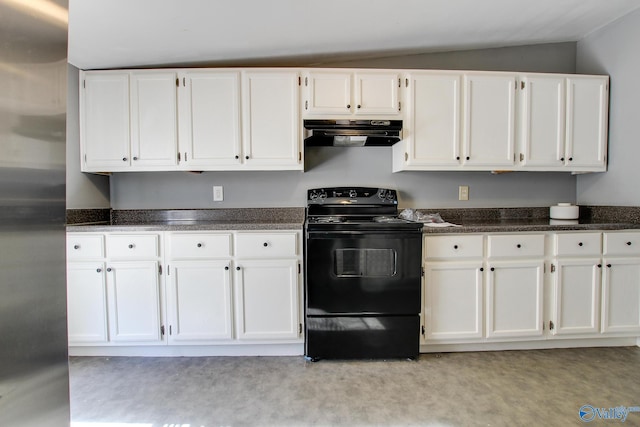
(338, 166)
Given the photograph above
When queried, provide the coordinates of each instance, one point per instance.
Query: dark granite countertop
(494, 220)
(190, 219)
(529, 225)
(473, 220)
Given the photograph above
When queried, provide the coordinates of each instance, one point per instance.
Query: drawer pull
(99, 270)
(518, 246)
(76, 246)
(131, 245)
(599, 265)
(580, 244)
(109, 270)
(455, 246)
(265, 244)
(609, 265)
(226, 267)
(493, 269)
(199, 245)
(481, 269)
(238, 268)
(628, 243)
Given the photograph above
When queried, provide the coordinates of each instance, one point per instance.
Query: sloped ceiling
(131, 33)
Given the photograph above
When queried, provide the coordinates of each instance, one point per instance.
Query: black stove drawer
(366, 337)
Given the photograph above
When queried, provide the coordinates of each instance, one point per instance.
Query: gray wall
(613, 50)
(349, 166)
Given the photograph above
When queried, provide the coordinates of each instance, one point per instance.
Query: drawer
(200, 245)
(133, 245)
(624, 244)
(515, 245)
(269, 245)
(85, 246)
(577, 244)
(454, 246)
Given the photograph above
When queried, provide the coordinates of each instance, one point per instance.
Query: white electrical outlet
(463, 192)
(218, 195)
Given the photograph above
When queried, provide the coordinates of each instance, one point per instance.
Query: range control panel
(352, 195)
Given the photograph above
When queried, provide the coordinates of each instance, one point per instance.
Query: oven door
(363, 273)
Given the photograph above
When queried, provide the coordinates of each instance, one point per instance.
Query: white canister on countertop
(564, 211)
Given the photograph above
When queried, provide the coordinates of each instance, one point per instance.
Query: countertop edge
(530, 228)
(186, 227)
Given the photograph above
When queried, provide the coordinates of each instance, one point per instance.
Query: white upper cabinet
(376, 93)
(432, 127)
(128, 120)
(334, 93)
(328, 92)
(208, 119)
(272, 129)
(587, 119)
(563, 122)
(104, 121)
(542, 119)
(209, 107)
(489, 120)
(154, 126)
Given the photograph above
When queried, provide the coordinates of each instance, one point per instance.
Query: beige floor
(511, 388)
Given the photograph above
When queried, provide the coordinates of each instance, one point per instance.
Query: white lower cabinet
(576, 296)
(199, 302)
(133, 289)
(621, 296)
(267, 299)
(86, 303)
(453, 301)
(514, 299)
(217, 287)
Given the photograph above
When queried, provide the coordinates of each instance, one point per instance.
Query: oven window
(365, 262)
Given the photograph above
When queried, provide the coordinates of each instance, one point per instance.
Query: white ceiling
(130, 33)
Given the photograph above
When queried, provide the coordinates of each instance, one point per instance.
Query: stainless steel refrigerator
(34, 374)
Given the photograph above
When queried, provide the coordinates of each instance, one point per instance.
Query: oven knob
(390, 195)
(381, 194)
(322, 195)
(313, 195)
(353, 194)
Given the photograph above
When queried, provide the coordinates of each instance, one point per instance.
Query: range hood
(352, 133)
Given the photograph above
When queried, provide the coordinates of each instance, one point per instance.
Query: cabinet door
(542, 120)
(328, 92)
(576, 297)
(433, 128)
(134, 302)
(199, 302)
(271, 138)
(621, 295)
(377, 93)
(266, 299)
(154, 127)
(587, 120)
(104, 121)
(209, 119)
(489, 120)
(86, 303)
(453, 301)
(514, 299)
